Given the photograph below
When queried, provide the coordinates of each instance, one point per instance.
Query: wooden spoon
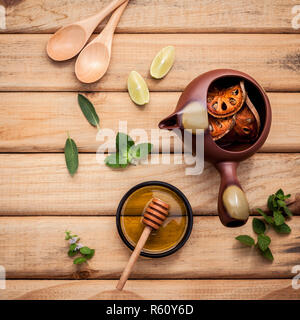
(154, 217)
(69, 40)
(93, 61)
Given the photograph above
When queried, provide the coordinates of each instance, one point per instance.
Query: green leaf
(271, 202)
(116, 160)
(72, 253)
(247, 240)
(123, 142)
(89, 256)
(279, 194)
(287, 211)
(73, 246)
(268, 219)
(71, 156)
(267, 254)
(263, 242)
(140, 151)
(283, 228)
(258, 226)
(278, 218)
(88, 110)
(79, 260)
(85, 250)
(68, 235)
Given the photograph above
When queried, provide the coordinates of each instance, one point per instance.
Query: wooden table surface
(39, 200)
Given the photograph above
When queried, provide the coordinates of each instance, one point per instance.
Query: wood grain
(37, 122)
(39, 184)
(33, 16)
(24, 65)
(211, 252)
(275, 289)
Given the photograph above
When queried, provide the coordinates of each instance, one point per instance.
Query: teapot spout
(169, 123)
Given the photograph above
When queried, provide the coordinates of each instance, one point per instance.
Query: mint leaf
(278, 218)
(287, 211)
(68, 235)
(280, 194)
(116, 160)
(79, 260)
(271, 202)
(71, 156)
(267, 254)
(140, 151)
(90, 255)
(72, 253)
(258, 226)
(85, 250)
(263, 242)
(73, 246)
(247, 240)
(88, 110)
(123, 142)
(267, 218)
(283, 228)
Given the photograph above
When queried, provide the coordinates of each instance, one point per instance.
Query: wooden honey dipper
(154, 216)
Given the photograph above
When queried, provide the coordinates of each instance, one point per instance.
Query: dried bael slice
(247, 123)
(223, 103)
(220, 127)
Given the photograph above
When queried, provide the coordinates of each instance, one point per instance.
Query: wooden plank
(274, 289)
(32, 16)
(39, 184)
(42, 120)
(34, 247)
(24, 65)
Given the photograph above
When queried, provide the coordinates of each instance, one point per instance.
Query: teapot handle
(233, 205)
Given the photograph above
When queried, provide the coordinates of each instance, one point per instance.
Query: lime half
(163, 62)
(137, 88)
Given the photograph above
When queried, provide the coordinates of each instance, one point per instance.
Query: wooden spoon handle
(134, 256)
(114, 20)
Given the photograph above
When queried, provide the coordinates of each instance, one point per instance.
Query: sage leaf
(71, 156)
(278, 218)
(79, 260)
(267, 254)
(267, 218)
(85, 250)
(283, 228)
(258, 226)
(247, 240)
(263, 242)
(88, 110)
(90, 255)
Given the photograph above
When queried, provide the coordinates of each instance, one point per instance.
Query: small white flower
(73, 240)
(79, 246)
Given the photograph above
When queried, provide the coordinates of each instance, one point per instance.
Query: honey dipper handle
(134, 256)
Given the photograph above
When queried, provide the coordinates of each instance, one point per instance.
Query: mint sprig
(76, 248)
(280, 211)
(127, 152)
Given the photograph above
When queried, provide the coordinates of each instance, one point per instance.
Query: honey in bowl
(171, 232)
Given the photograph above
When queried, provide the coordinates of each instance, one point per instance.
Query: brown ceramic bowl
(224, 158)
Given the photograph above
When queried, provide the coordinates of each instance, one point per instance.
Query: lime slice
(163, 62)
(137, 88)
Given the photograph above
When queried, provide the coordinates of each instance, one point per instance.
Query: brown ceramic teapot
(233, 206)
